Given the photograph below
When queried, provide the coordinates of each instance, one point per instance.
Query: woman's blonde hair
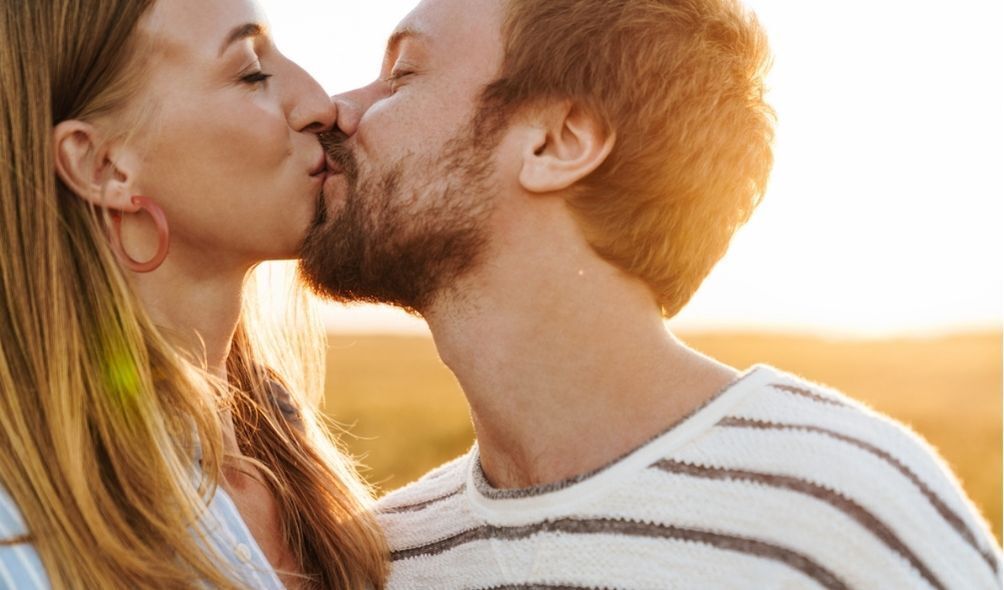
(100, 414)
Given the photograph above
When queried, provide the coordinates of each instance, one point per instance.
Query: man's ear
(94, 170)
(567, 144)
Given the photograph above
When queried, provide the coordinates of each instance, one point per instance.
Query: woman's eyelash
(256, 77)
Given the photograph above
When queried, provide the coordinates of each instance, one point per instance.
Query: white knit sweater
(776, 483)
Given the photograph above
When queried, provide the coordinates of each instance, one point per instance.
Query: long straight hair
(277, 370)
(100, 414)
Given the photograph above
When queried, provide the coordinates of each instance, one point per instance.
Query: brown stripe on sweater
(417, 506)
(849, 507)
(953, 519)
(629, 528)
(807, 393)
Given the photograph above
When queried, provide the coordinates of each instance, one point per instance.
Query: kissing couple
(544, 182)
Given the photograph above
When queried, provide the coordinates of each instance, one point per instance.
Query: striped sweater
(775, 483)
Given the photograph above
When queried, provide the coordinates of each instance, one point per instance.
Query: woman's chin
(288, 248)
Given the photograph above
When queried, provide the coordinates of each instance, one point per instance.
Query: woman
(152, 435)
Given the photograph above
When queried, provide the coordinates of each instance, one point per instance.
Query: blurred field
(407, 414)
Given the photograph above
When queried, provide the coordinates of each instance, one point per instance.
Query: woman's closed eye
(255, 76)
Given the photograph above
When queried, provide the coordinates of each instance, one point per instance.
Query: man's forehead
(450, 21)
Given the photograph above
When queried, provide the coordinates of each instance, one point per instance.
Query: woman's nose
(316, 116)
(307, 105)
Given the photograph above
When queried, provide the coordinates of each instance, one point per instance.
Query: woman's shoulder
(11, 523)
(20, 566)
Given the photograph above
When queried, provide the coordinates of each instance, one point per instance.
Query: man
(545, 181)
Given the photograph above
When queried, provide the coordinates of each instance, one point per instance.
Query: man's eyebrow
(400, 35)
(242, 32)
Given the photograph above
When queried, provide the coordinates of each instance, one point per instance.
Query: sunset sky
(886, 206)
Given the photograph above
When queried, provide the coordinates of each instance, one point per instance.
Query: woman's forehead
(196, 28)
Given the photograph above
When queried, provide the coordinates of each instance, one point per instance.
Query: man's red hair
(681, 84)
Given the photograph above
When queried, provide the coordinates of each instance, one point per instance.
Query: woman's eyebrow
(242, 32)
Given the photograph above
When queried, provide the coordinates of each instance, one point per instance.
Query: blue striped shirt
(21, 568)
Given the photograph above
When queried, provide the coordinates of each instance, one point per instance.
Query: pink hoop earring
(163, 236)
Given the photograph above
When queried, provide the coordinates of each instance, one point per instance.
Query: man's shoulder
(437, 484)
(798, 426)
(799, 456)
(427, 509)
(790, 415)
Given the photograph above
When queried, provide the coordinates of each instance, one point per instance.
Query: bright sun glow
(885, 207)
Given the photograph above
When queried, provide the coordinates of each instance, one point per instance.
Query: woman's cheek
(266, 128)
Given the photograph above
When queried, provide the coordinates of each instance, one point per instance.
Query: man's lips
(334, 167)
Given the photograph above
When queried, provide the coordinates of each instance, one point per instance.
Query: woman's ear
(92, 168)
(567, 145)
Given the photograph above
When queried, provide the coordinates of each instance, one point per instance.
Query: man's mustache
(335, 146)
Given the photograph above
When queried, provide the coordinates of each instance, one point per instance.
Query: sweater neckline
(500, 506)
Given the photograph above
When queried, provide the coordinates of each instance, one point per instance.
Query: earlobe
(85, 165)
(569, 145)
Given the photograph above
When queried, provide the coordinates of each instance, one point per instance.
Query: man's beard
(405, 233)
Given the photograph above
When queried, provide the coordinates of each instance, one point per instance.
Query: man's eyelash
(397, 75)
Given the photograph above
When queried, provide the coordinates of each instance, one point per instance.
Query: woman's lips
(321, 168)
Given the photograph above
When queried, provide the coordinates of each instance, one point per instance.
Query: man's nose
(352, 106)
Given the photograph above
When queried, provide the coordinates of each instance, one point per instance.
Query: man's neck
(566, 364)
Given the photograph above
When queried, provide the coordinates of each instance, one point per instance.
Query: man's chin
(334, 190)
